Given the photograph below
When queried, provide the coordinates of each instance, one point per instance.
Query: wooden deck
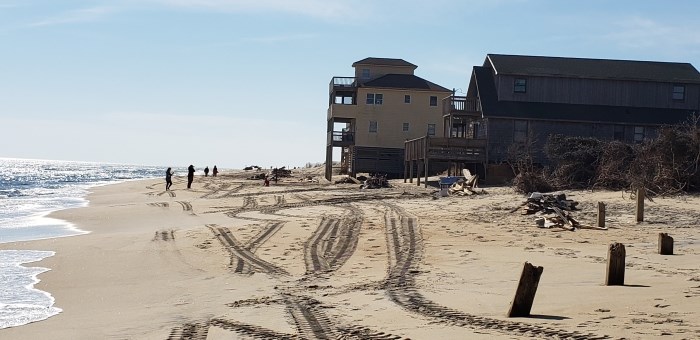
(454, 150)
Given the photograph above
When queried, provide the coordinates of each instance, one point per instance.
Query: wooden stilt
(615, 274)
(426, 172)
(665, 244)
(410, 170)
(601, 215)
(419, 173)
(405, 171)
(641, 192)
(525, 293)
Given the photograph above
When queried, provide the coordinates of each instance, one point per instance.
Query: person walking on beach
(214, 171)
(190, 176)
(206, 171)
(168, 178)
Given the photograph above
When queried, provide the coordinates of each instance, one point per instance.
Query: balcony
(342, 84)
(461, 106)
(341, 138)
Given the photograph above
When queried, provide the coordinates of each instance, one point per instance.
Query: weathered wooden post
(641, 192)
(615, 275)
(601, 215)
(525, 293)
(665, 244)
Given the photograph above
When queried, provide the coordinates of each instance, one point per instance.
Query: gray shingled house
(515, 99)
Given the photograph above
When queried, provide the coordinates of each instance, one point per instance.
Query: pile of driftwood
(553, 210)
(375, 181)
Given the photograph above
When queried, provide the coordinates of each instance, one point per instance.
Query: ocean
(29, 191)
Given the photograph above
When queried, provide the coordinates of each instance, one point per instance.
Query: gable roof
(666, 72)
(493, 108)
(384, 62)
(404, 81)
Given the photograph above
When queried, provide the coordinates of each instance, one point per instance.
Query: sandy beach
(231, 259)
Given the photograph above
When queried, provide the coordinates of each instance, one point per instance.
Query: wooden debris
(375, 181)
(466, 186)
(553, 210)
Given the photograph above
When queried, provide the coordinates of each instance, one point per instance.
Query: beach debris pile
(466, 185)
(375, 181)
(281, 172)
(553, 210)
(348, 180)
(258, 176)
(248, 168)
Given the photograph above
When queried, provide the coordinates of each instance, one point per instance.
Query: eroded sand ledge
(232, 259)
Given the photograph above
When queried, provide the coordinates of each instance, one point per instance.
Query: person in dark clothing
(190, 176)
(168, 178)
(214, 171)
(206, 171)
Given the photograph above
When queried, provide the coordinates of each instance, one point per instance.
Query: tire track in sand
(405, 253)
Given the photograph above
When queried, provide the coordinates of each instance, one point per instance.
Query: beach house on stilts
(372, 114)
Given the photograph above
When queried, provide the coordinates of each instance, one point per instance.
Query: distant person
(214, 171)
(266, 181)
(190, 176)
(206, 171)
(168, 178)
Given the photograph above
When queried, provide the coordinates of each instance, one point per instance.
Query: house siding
(597, 92)
(500, 135)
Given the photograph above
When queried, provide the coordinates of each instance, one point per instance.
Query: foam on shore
(20, 302)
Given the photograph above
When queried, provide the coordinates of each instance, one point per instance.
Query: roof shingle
(404, 81)
(383, 62)
(667, 72)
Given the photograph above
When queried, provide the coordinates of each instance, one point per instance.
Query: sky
(245, 82)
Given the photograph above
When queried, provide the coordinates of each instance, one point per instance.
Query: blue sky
(241, 82)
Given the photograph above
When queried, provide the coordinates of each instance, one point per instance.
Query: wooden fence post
(641, 192)
(615, 275)
(601, 215)
(525, 293)
(665, 244)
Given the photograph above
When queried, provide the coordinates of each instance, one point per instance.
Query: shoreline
(156, 266)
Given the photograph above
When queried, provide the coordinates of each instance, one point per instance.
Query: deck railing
(341, 138)
(341, 82)
(460, 104)
(445, 148)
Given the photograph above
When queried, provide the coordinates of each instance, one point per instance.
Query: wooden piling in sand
(525, 293)
(615, 274)
(601, 215)
(665, 244)
(641, 192)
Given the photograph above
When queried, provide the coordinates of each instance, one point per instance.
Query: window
(433, 100)
(520, 85)
(378, 99)
(375, 99)
(407, 99)
(431, 129)
(365, 73)
(372, 126)
(520, 131)
(405, 127)
(638, 134)
(678, 92)
(619, 132)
